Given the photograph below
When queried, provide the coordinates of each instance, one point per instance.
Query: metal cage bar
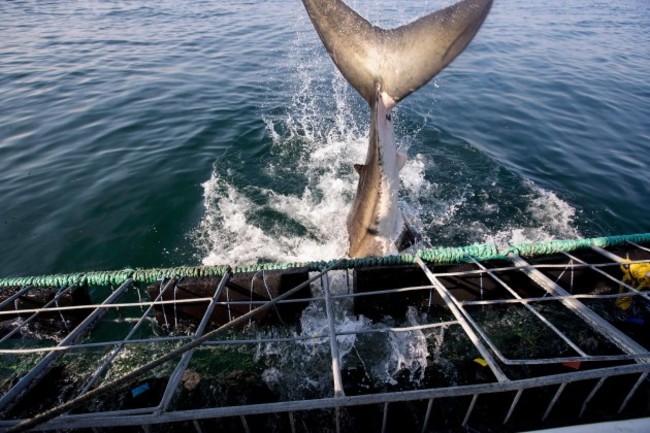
(535, 312)
(13, 395)
(469, 331)
(119, 345)
(12, 298)
(603, 327)
(35, 313)
(176, 376)
(161, 414)
(108, 419)
(336, 360)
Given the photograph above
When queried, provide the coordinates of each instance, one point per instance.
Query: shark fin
(401, 161)
(359, 168)
(398, 61)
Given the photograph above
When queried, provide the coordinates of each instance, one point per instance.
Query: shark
(385, 66)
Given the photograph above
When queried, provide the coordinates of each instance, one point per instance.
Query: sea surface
(146, 134)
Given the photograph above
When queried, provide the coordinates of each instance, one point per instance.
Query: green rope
(272, 266)
(480, 252)
(149, 276)
(558, 246)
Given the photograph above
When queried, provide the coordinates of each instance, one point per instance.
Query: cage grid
(530, 342)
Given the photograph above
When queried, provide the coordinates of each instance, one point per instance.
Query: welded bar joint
(446, 296)
(625, 343)
(177, 375)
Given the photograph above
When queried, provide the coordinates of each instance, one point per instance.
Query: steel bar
(109, 420)
(384, 418)
(533, 310)
(118, 347)
(446, 296)
(427, 415)
(611, 256)
(268, 292)
(638, 383)
(554, 400)
(334, 347)
(112, 306)
(543, 299)
(15, 296)
(226, 342)
(337, 419)
(470, 409)
(161, 303)
(625, 343)
(228, 303)
(383, 292)
(164, 311)
(591, 395)
(292, 422)
(641, 247)
(36, 373)
(176, 303)
(177, 375)
(515, 400)
(244, 424)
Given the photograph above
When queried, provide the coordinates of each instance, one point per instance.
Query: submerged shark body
(385, 66)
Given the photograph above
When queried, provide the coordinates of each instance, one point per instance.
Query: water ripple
(115, 113)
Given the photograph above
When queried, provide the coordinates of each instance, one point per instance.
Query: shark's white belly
(389, 215)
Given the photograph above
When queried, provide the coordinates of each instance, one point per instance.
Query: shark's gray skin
(385, 66)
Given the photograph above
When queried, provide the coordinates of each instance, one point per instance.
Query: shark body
(385, 66)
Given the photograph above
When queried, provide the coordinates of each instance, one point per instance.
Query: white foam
(412, 176)
(552, 218)
(309, 353)
(320, 138)
(384, 355)
(408, 352)
(322, 134)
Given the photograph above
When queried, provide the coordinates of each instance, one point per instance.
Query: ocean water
(163, 133)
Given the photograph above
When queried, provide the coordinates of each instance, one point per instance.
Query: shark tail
(396, 61)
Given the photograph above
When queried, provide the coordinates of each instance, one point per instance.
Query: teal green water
(156, 134)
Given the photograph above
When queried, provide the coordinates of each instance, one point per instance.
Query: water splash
(408, 353)
(309, 354)
(550, 216)
(385, 356)
(316, 141)
(294, 209)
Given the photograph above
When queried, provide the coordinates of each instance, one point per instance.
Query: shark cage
(459, 339)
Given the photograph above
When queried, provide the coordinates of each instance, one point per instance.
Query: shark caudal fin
(398, 61)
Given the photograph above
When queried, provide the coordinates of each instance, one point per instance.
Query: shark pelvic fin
(401, 60)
